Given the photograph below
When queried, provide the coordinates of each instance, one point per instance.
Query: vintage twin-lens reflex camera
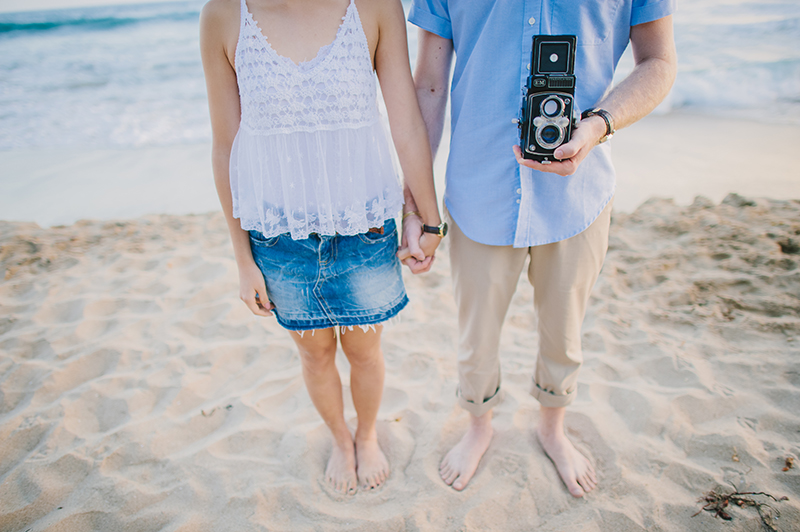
(548, 112)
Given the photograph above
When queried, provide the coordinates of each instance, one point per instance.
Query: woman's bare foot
(575, 469)
(460, 463)
(341, 470)
(371, 464)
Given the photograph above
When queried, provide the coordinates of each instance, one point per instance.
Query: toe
(451, 477)
(459, 484)
(445, 471)
(576, 491)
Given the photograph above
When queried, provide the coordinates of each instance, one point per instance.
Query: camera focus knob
(515, 121)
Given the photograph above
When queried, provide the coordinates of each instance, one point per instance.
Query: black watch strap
(438, 230)
(607, 118)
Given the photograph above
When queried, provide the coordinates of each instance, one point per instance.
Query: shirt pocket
(592, 21)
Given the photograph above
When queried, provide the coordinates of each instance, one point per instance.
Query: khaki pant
(485, 277)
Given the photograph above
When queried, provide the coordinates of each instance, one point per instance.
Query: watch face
(443, 229)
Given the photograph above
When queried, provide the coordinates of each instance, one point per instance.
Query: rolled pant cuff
(550, 399)
(479, 409)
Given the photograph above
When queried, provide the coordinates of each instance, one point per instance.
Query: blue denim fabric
(325, 281)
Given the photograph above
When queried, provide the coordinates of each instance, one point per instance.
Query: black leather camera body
(548, 112)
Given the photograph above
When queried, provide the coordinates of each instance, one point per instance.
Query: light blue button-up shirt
(492, 199)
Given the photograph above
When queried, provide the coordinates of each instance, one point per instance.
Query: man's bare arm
(432, 82)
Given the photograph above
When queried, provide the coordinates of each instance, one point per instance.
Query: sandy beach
(679, 155)
(137, 393)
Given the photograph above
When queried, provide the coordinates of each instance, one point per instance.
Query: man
(503, 209)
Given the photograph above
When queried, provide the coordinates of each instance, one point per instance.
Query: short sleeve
(432, 16)
(649, 10)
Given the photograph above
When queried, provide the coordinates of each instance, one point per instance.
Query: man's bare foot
(371, 464)
(341, 470)
(575, 469)
(460, 463)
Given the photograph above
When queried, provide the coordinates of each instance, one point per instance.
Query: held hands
(417, 248)
(570, 155)
(253, 291)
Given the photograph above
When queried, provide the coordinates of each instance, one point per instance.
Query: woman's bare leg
(363, 350)
(318, 354)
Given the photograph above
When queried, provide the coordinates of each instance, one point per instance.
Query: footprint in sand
(76, 371)
(91, 413)
(59, 313)
(634, 409)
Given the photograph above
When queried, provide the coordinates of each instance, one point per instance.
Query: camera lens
(552, 106)
(550, 134)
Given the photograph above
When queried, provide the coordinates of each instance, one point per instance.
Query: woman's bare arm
(405, 119)
(219, 31)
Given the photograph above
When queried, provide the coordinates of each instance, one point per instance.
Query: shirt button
(529, 66)
(517, 201)
(519, 191)
(531, 21)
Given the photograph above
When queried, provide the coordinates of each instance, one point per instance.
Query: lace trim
(354, 220)
(322, 53)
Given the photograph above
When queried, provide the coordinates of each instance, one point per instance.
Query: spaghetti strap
(242, 16)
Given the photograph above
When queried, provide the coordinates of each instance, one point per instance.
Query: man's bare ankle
(481, 422)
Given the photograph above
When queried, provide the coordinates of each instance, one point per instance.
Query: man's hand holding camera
(551, 136)
(570, 155)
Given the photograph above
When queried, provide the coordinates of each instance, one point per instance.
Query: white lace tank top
(311, 154)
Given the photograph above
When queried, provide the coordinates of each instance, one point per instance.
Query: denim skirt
(327, 281)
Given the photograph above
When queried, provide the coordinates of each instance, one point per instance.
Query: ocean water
(130, 75)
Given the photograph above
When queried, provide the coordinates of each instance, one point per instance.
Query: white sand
(62, 185)
(677, 156)
(683, 155)
(137, 392)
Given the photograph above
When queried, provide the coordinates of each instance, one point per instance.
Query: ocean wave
(101, 18)
(750, 84)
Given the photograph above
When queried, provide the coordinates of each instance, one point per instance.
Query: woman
(307, 185)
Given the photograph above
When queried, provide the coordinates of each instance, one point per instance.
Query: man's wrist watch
(607, 118)
(438, 230)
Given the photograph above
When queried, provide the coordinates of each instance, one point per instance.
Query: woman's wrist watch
(438, 230)
(607, 118)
